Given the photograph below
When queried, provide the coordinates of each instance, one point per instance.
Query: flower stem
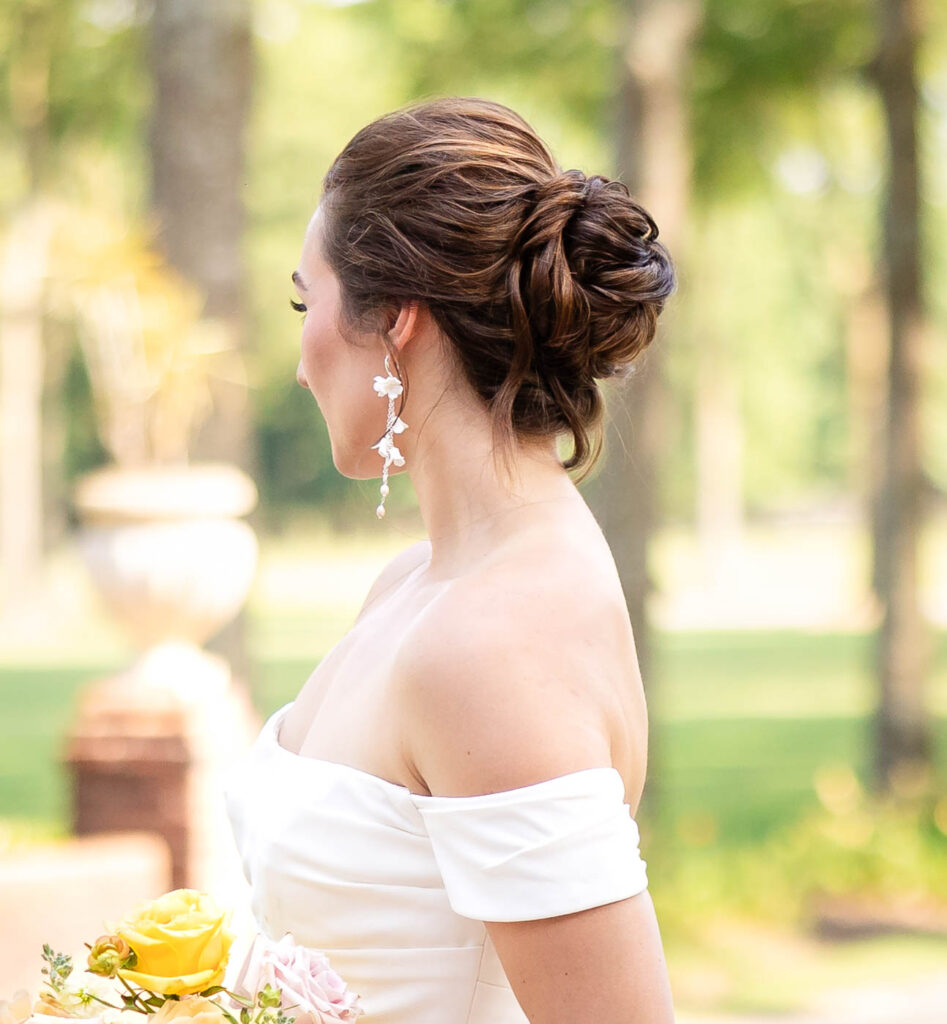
(105, 1002)
(136, 995)
(243, 1000)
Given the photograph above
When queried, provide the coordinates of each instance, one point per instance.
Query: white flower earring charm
(389, 387)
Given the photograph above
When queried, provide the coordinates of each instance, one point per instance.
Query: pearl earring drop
(389, 387)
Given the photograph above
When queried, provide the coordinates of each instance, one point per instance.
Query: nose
(301, 376)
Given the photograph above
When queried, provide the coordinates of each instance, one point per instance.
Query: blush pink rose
(312, 992)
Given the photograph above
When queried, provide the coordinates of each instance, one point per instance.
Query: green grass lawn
(744, 724)
(741, 723)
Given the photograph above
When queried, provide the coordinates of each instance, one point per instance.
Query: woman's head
(541, 281)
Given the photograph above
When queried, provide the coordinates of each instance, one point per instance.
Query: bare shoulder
(402, 565)
(510, 676)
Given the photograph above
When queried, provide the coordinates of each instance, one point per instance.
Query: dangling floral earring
(388, 387)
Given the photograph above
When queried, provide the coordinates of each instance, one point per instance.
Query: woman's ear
(407, 325)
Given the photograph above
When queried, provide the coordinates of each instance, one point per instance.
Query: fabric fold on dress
(557, 847)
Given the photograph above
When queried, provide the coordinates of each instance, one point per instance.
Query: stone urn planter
(171, 558)
(173, 562)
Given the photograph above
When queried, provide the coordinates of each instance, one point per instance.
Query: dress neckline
(271, 731)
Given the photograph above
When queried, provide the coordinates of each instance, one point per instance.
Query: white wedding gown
(394, 886)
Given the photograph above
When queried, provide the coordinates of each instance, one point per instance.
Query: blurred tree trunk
(201, 59)
(903, 741)
(866, 353)
(32, 35)
(654, 161)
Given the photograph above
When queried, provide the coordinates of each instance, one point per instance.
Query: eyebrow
(298, 281)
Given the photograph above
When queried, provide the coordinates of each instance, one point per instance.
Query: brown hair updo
(543, 280)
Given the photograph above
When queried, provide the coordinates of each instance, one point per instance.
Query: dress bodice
(394, 886)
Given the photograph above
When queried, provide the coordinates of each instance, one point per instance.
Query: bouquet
(168, 958)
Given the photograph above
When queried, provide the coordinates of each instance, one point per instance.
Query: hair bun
(627, 274)
(552, 203)
(591, 275)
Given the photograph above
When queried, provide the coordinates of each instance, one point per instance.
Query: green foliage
(863, 848)
(556, 61)
(885, 856)
(293, 443)
(68, 70)
(758, 66)
(149, 352)
(58, 967)
(82, 447)
(787, 148)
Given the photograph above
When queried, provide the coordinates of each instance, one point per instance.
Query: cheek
(336, 373)
(317, 351)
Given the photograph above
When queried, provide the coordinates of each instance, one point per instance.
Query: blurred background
(774, 484)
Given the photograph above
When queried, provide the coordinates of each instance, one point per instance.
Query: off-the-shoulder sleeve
(555, 847)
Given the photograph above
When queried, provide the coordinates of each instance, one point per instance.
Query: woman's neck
(468, 505)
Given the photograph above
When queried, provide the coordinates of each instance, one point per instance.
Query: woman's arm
(497, 696)
(604, 965)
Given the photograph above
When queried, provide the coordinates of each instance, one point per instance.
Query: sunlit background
(774, 479)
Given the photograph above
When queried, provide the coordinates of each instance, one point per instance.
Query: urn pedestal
(152, 745)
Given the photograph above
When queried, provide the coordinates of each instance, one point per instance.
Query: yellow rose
(182, 941)
(193, 1009)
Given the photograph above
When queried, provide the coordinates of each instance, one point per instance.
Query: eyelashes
(298, 306)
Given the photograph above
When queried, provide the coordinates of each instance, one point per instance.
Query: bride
(446, 808)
